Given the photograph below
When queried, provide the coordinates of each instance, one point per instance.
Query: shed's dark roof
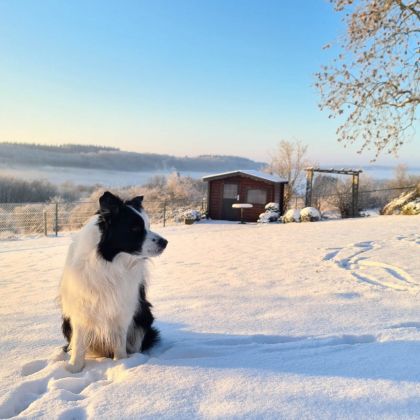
(250, 173)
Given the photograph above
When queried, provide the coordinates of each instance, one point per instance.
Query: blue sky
(178, 76)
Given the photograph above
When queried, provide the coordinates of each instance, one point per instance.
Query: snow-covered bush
(310, 214)
(29, 218)
(411, 208)
(268, 217)
(271, 213)
(272, 207)
(194, 215)
(8, 236)
(292, 215)
(6, 220)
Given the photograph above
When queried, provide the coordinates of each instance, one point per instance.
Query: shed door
(230, 196)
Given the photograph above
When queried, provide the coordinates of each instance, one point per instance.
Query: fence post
(56, 219)
(309, 180)
(164, 213)
(355, 195)
(45, 223)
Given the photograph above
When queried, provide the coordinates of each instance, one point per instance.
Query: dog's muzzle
(162, 243)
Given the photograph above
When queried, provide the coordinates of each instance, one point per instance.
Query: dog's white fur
(100, 297)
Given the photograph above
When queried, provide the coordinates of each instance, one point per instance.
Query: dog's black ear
(109, 203)
(136, 202)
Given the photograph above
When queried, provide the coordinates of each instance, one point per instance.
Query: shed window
(257, 196)
(230, 191)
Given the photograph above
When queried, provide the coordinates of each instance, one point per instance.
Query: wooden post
(281, 200)
(355, 195)
(164, 213)
(56, 219)
(208, 200)
(45, 223)
(355, 185)
(242, 216)
(309, 179)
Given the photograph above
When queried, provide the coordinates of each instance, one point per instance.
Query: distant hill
(110, 158)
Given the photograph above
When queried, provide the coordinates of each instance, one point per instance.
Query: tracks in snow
(414, 238)
(45, 382)
(355, 259)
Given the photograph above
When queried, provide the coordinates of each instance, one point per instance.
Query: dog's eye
(136, 229)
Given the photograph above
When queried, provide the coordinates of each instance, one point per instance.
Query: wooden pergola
(354, 189)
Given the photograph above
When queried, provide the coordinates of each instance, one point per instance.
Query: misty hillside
(98, 157)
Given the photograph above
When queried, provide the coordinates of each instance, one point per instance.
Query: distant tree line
(158, 188)
(98, 157)
(14, 190)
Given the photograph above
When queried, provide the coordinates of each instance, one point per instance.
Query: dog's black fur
(121, 230)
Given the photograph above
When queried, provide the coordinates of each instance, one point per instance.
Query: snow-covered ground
(314, 320)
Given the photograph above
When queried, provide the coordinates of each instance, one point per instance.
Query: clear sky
(184, 77)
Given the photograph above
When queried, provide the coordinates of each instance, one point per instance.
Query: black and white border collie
(103, 288)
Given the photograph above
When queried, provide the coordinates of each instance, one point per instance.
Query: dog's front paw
(74, 367)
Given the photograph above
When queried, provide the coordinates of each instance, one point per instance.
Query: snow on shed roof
(248, 172)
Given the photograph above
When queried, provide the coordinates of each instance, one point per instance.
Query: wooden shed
(242, 186)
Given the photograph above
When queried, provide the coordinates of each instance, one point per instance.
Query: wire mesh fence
(341, 201)
(50, 218)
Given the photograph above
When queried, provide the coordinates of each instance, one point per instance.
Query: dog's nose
(162, 243)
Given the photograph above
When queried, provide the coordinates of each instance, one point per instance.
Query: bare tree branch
(374, 83)
(289, 162)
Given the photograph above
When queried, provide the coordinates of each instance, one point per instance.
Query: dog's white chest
(98, 292)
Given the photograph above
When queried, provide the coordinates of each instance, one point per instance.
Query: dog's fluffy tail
(151, 338)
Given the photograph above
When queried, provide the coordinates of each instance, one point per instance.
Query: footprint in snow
(348, 295)
(354, 259)
(33, 367)
(78, 413)
(51, 377)
(415, 325)
(413, 238)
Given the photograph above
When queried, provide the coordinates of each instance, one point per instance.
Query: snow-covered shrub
(271, 213)
(411, 208)
(364, 213)
(268, 217)
(292, 215)
(194, 215)
(6, 220)
(8, 236)
(29, 218)
(272, 207)
(310, 214)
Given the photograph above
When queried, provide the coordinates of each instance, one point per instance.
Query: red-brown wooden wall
(215, 196)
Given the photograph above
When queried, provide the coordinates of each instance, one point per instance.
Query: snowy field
(316, 320)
